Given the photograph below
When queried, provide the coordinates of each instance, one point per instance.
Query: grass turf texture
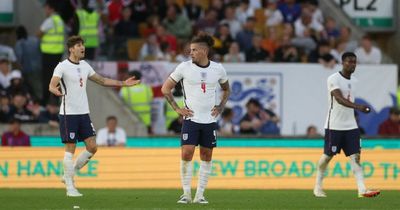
(166, 199)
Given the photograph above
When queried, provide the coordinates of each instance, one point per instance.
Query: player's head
(200, 47)
(349, 61)
(75, 46)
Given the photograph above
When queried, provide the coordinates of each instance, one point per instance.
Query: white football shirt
(73, 84)
(105, 138)
(199, 86)
(340, 117)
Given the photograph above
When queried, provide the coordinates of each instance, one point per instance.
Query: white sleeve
(101, 137)
(47, 25)
(333, 84)
(224, 76)
(177, 74)
(91, 71)
(58, 71)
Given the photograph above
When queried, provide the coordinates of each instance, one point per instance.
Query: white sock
(186, 176)
(358, 172)
(204, 173)
(68, 169)
(321, 169)
(82, 159)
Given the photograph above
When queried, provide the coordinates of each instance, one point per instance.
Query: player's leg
(68, 130)
(86, 133)
(331, 148)
(208, 140)
(189, 140)
(352, 149)
(84, 157)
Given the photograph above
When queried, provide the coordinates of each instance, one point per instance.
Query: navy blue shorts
(76, 128)
(346, 140)
(204, 135)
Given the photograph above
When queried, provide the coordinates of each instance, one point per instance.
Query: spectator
(222, 40)
(312, 132)
(152, 22)
(15, 136)
(234, 55)
(5, 108)
(140, 10)
(5, 72)
(209, 23)
(126, 28)
(86, 24)
(177, 24)
(345, 36)
(258, 120)
(225, 124)
(111, 135)
(164, 37)
(28, 53)
(312, 5)
(331, 30)
(272, 14)
(185, 53)
(244, 11)
(323, 55)
(305, 24)
(8, 52)
(50, 114)
(51, 29)
(115, 11)
(290, 10)
(139, 98)
(219, 7)
(257, 53)
(234, 25)
(271, 41)
(150, 49)
(193, 10)
(19, 110)
(17, 85)
(287, 52)
(338, 51)
(368, 54)
(391, 126)
(245, 37)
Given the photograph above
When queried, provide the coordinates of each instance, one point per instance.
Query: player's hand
(216, 110)
(364, 108)
(56, 91)
(185, 112)
(131, 81)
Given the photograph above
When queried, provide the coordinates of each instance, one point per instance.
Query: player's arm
(166, 89)
(226, 91)
(113, 83)
(343, 101)
(54, 86)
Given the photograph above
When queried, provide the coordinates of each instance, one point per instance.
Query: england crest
(185, 136)
(72, 135)
(334, 148)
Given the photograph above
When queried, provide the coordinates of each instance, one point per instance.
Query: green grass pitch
(166, 199)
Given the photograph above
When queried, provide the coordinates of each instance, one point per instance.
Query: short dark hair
(255, 102)
(112, 117)
(73, 40)
(348, 54)
(204, 38)
(136, 74)
(227, 111)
